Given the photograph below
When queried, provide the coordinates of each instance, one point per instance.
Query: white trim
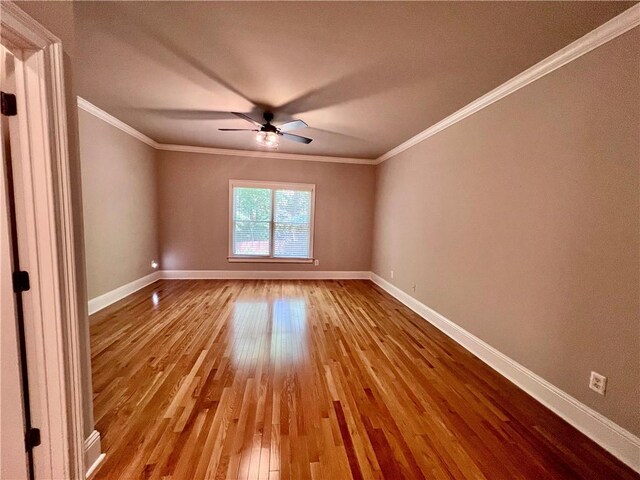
(612, 437)
(93, 455)
(98, 303)
(608, 31)
(25, 29)
(273, 186)
(615, 27)
(247, 259)
(259, 154)
(621, 443)
(113, 121)
(52, 319)
(306, 187)
(95, 465)
(262, 275)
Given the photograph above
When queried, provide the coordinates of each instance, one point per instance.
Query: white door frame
(45, 182)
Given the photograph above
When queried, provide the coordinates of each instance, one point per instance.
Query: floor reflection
(274, 328)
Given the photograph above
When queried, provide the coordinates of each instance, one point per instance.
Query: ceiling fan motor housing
(268, 116)
(267, 127)
(272, 130)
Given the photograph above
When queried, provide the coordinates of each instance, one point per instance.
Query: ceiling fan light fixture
(267, 139)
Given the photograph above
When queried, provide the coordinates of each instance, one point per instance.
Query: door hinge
(9, 105)
(32, 438)
(21, 281)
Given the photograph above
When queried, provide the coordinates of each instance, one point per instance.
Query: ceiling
(365, 76)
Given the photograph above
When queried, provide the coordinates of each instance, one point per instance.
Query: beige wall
(120, 205)
(79, 248)
(521, 224)
(194, 209)
(59, 20)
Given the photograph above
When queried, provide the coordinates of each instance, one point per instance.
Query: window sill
(268, 260)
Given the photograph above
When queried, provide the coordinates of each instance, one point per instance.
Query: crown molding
(17, 25)
(260, 154)
(111, 120)
(119, 124)
(606, 32)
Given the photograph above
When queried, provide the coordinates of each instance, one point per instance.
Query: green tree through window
(272, 222)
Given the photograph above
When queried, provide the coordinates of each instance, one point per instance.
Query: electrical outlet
(598, 383)
(391, 274)
(316, 262)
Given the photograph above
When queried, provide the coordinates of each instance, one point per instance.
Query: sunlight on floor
(275, 326)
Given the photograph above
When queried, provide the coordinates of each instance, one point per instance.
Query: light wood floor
(309, 380)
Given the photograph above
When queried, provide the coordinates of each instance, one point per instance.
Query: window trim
(310, 187)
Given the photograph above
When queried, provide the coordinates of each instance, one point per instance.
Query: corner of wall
(73, 133)
(93, 455)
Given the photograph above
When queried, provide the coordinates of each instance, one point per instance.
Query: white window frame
(309, 187)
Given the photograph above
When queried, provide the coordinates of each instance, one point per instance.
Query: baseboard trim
(262, 275)
(612, 437)
(98, 303)
(93, 455)
(103, 301)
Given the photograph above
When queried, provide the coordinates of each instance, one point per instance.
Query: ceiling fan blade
(237, 130)
(247, 118)
(292, 125)
(296, 138)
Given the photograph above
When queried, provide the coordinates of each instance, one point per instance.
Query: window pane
(251, 238)
(292, 217)
(292, 240)
(293, 206)
(252, 204)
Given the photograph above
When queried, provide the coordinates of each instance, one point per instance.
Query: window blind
(251, 221)
(292, 218)
(272, 222)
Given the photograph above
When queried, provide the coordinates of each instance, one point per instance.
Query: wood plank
(267, 379)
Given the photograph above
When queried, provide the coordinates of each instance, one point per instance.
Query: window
(270, 221)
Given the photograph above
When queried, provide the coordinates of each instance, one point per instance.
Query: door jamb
(47, 191)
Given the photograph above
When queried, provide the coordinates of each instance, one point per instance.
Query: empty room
(320, 240)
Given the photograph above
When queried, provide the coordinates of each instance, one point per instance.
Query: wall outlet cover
(598, 383)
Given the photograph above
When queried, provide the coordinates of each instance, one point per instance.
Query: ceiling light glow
(267, 139)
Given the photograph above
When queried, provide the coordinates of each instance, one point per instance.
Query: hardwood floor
(309, 380)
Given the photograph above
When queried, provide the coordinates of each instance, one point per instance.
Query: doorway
(41, 396)
(16, 458)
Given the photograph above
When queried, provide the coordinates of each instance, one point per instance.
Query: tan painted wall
(120, 205)
(79, 247)
(522, 225)
(194, 209)
(59, 19)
